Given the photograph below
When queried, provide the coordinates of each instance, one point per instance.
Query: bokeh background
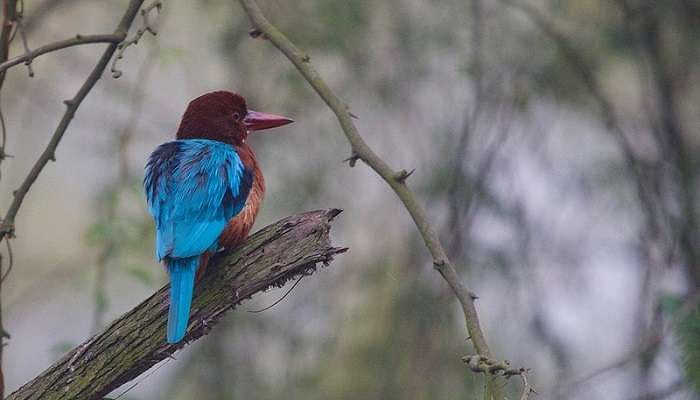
(555, 149)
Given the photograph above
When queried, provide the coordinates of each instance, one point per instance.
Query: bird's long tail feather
(182, 272)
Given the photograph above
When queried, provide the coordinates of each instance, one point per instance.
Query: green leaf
(688, 334)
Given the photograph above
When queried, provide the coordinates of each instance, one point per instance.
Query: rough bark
(136, 341)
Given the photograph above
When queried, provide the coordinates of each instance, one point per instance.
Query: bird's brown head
(224, 116)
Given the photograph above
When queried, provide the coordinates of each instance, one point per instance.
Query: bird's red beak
(256, 120)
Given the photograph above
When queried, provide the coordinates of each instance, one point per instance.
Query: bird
(204, 190)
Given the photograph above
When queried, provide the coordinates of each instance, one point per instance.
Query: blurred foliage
(384, 326)
(687, 333)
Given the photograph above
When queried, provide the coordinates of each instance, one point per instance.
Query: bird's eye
(237, 116)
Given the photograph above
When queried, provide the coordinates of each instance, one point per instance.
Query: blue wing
(193, 188)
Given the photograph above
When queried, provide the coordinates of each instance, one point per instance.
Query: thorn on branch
(350, 113)
(352, 160)
(256, 33)
(402, 175)
(438, 264)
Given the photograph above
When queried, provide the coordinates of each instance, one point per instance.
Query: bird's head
(224, 116)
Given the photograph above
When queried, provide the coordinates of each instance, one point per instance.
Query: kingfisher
(204, 191)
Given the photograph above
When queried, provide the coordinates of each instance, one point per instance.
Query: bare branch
(7, 225)
(146, 27)
(78, 40)
(527, 388)
(402, 175)
(135, 342)
(110, 211)
(9, 23)
(362, 151)
(25, 43)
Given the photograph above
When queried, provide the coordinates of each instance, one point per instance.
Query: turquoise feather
(193, 187)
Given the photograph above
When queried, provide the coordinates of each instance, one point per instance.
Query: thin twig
(10, 20)
(278, 300)
(527, 388)
(362, 150)
(127, 390)
(146, 27)
(7, 31)
(7, 225)
(78, 40)
(111, 246)
(10, 261)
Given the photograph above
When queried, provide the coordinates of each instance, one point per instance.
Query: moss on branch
(136, 341)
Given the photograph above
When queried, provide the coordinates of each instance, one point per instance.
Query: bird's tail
(182, 271)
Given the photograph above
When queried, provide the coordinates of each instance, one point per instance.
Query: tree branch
(61, 44)
(7, 225)
(361, 150)
(6, 31)
(135, 342)
(9, 22)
